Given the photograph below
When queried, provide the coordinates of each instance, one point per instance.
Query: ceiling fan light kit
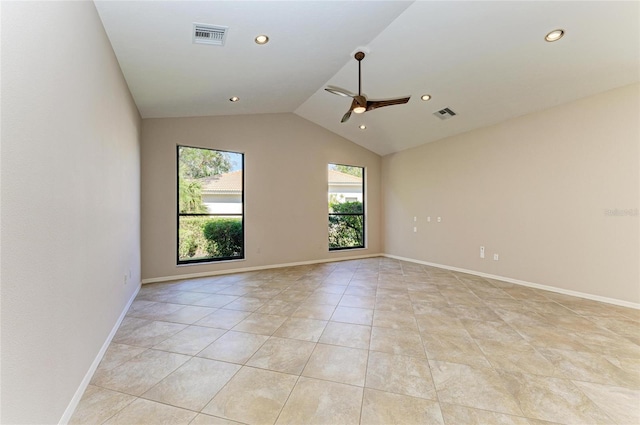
(360, 104)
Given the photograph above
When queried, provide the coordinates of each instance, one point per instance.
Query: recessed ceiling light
(262, 39)
(554, 35)
(425, 97)
(234, 99)
(362, 127)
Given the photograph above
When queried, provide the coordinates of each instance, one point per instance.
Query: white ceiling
(487, 61)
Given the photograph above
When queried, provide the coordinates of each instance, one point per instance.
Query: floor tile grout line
(366, 371)
(433, 381)
(120, 410)
(295, 385)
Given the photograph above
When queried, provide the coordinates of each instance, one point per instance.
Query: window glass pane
(346, 231)
(192, 245)
(210, 205)
(346, 206)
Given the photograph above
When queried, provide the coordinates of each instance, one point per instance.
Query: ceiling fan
(360, 103)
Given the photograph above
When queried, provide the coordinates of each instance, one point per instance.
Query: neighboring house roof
(232, 182)
(337, 177)
(222, 183)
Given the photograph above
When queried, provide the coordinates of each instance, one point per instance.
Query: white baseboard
(73, 404)
(523, 283)
(255, 268)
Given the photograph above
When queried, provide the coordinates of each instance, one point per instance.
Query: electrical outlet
(495, 257)
(439, 219)
(481, 252)
(415, 230)
(428, 219)
(415, 219)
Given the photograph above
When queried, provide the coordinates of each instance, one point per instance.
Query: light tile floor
(374, 341)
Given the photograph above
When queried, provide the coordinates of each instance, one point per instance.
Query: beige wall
(70, 203)
(286, 161)
(534, 190)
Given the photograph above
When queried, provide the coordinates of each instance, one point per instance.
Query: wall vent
(444, 114)
(209, 34)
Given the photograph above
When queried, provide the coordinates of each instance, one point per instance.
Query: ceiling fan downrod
(359, 56)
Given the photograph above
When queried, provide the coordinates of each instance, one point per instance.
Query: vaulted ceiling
(486, 61)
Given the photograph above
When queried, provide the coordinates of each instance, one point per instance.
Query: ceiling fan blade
(346, 116)
(339, 91)
(374, 104)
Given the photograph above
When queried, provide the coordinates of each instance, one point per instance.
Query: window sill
(203, 263)
(348, 249)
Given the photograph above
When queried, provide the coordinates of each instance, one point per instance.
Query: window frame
(363, 214)
(180, 262)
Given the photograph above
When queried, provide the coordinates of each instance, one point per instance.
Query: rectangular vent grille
(209, 34)
(444, 114)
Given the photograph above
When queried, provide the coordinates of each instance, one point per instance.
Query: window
(210, 205)
(346, 207)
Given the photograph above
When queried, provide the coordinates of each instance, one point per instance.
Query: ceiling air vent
(444, 114)
(209, 34)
